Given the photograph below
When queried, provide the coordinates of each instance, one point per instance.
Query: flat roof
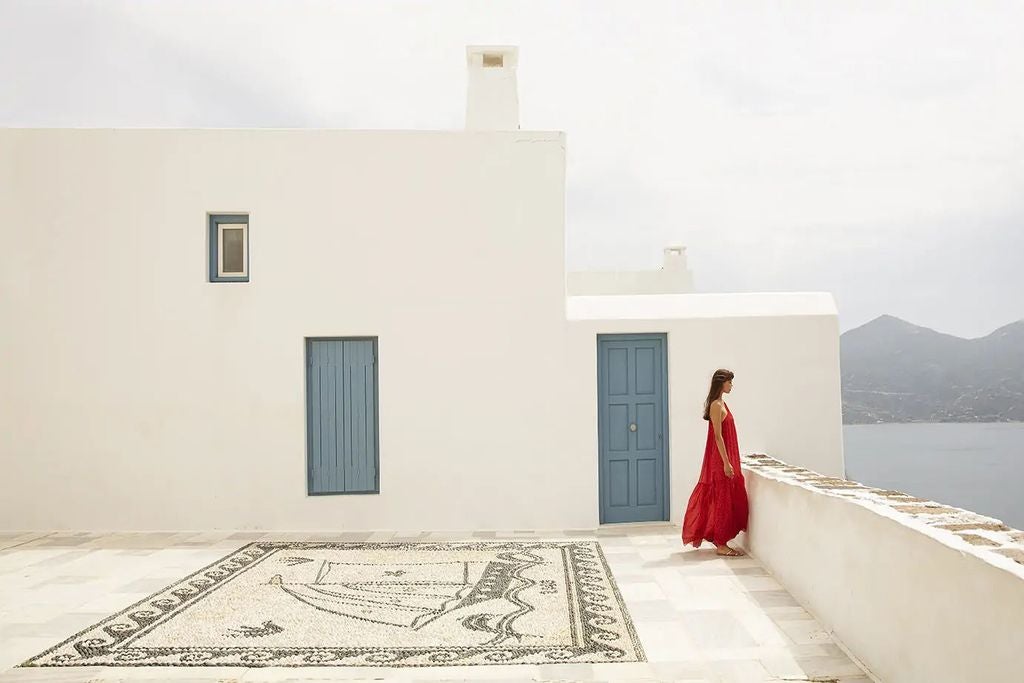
(725, 305)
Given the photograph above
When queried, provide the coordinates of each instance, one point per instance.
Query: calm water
(978, 467)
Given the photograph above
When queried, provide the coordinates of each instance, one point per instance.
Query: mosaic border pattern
(607, 635)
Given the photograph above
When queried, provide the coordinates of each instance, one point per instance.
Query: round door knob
(632, 427)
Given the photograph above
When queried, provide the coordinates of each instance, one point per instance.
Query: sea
(975, 466)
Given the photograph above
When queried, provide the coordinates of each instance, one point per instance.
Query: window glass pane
(233, 258)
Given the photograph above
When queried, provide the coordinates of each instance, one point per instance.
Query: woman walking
(717, 510)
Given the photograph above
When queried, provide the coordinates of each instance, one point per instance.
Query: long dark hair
(717, 380)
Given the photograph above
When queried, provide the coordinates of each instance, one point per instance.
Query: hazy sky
(870, 149)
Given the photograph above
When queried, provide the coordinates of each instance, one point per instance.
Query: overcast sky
(874, 150)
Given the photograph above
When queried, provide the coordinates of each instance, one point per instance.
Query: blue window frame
(229, 247)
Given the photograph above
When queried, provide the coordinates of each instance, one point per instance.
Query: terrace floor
(698, 616)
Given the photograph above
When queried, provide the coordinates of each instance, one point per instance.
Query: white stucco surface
(692, 306)
(492, 95)
(786, 395)
(135, 394)
(919, 592)
(674, 277)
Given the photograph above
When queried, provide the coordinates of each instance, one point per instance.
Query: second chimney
(492, 98)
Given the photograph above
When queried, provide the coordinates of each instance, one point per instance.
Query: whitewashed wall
(138, 395)
(783, 348)
(134, 394)
(674, 277)
(915, 603)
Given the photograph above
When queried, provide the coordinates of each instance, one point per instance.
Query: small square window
(229, 247)
(492, 60)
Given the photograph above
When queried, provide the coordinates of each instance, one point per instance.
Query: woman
(717, 511)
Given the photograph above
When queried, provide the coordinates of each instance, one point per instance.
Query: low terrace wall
(916, 590)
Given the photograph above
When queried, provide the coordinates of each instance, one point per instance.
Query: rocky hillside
(894, 371)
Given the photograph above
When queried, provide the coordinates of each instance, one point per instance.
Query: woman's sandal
(730, 552)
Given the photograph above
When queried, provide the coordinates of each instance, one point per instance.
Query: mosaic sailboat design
(406, 595)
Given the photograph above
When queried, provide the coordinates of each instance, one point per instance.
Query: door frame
(601, 385)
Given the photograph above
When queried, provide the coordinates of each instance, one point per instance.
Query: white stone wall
(919, 592)
(783, 348)
(135, 394)
(674, 277)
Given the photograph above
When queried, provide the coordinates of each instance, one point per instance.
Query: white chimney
(676, 275)
(492, 99)
(674, 258)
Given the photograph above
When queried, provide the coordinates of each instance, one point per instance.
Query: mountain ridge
(896, 371)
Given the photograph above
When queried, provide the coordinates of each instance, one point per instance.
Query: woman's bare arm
(717, 414)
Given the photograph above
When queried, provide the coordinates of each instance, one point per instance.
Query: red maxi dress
(717, 510)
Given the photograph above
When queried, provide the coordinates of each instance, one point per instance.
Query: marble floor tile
(624, 671)
(816, 650)
(758, 583)
(621, 553)
(112, 602)
(249, 536)
(774, 598)
(641, 590)
(567, 672)
(716, 628)
(741, 671)
(714, 568)
(668, 642)
(608, 543)
(699, 617)
(762, 629)
(750, 571)
(17, 649)
(821, 667)
(695, 670)
(652, 610)
(144, 585)
(57, 628)
(782, 665)
(805, 632)
(787, 613)
(623, 578)
(55, 675)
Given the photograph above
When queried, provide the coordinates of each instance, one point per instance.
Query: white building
(206, 329)
(674, 277)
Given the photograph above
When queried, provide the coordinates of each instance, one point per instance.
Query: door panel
(633, 428)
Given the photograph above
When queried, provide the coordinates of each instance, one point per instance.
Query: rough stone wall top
(985, 537)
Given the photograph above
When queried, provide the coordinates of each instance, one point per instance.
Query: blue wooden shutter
(342, 416)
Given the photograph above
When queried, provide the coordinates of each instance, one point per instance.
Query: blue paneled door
(341, 416)
(633, 427)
